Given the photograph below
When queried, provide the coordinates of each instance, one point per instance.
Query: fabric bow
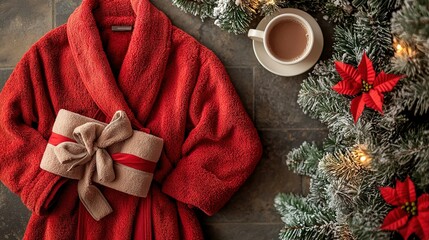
(92, 139)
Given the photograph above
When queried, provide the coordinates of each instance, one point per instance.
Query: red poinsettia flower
(411, 215)
(364, 80)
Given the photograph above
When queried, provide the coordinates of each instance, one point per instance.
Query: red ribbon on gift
(122, 158)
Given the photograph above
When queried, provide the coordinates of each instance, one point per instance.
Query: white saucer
(294, 69)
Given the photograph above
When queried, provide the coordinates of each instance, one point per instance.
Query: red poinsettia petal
(366, 69)
(405, 191)
(411, 227)
(381, 78)
(347, 87)
(420, 231)
(423, 232)
(374, 100)
(423, 203)
(357, 107)
(386, 82)
(423, 215)
(389, 195)
(348, 72)
(395, 219)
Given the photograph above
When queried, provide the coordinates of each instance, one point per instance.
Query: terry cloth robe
(166, 82)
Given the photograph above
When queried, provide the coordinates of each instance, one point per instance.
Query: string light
(361, 155)
(399, 47)
(402, 50)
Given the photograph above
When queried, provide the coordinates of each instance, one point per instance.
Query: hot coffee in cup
(288, 38)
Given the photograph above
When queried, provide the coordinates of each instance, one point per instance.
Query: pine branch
(339, 11)
(305, 5)
(316, 96)
(342, 232)
(366, 221)
(346, 175)
(408, 154)
(380, 10)
(347, 47)
(203, 9)
(304, 220)
(323, 231)
(411, 26)
(304, 160)
(232, 17)
(342, 167)
(412, 89)
(376, 36)
(318, 192)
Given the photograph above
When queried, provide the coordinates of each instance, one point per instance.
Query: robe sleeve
(222, 147)
(23, 105)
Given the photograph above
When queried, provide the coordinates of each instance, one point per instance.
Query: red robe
(166, 82)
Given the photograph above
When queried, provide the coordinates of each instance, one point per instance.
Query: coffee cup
(288, 38)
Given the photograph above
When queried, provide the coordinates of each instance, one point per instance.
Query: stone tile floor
(269, 99)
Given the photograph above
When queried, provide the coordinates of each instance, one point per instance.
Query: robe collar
(142, 70)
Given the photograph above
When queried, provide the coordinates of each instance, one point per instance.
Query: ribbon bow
(92, 139)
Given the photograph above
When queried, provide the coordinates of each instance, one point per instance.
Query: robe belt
(113, 155)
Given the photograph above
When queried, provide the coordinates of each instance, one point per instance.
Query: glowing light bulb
(361, 155)
(365, 160)
(399, 47)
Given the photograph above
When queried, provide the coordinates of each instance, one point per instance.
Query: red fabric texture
(166, 82)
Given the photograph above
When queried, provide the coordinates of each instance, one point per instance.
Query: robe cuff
(195, 186)
(39, 196)
(53, 196)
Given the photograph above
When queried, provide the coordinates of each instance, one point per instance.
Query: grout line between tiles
(302, 184)
(7, 68)
(304, 192)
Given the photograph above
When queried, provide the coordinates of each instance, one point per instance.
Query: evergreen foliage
(232, 17)
(356, 159)
(236, 16)
(304, 220)
(203, 9)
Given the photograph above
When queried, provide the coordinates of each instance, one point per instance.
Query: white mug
(262, 36)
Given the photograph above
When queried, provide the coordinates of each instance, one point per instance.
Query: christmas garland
(370, 178)
(236, 16)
